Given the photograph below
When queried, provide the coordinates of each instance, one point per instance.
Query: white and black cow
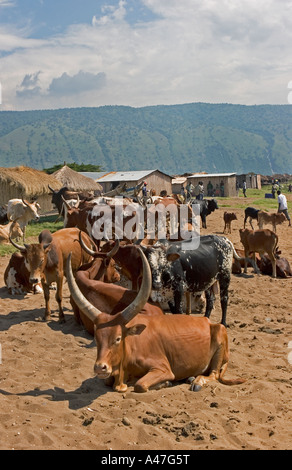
(207, 206)
(192, 270)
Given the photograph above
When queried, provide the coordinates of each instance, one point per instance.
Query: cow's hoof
(195, 387)
(121, 388)
(62, 320)
(140, 388)
(190, 380)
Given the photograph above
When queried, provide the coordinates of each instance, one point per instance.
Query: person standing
(199, 191)
(210, 189)
(283, 206)
(244, 188)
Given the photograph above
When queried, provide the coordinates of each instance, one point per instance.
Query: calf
(250, 213)
(228, 217)
(12, 229)
(270, 218)
(151, 350)
(260, 241)
(46, 261)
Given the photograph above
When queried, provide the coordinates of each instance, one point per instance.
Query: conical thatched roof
(75, 181)
(27, 181)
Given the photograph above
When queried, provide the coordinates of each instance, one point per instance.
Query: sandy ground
(50, 398)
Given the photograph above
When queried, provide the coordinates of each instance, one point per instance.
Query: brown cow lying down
(238, 264)
(282, 266)
(152, 350)
(274, 219)
(16, 277)
(228, 217)
(12, 230)
(264, 263)
(259, 241)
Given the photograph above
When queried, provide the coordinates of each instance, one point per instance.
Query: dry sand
(50, 398)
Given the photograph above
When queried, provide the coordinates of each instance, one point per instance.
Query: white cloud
(194, 50)
(6, 3)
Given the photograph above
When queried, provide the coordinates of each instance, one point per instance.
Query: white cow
(23, 212)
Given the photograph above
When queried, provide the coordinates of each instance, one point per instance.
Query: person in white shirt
(283, 206)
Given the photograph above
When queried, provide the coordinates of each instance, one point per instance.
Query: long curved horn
(140, 300)
(78, 202)
(86, 307)
(25, 202)
(19, 247)
(114, 249)
(65, 202)
(86, 248)
(93, 253)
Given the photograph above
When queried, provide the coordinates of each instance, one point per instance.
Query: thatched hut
(29, 184)
(75, 181)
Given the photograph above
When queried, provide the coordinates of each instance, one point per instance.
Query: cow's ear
(135, 330)
(172, 256)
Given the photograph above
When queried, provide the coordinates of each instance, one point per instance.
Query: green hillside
(175, 139)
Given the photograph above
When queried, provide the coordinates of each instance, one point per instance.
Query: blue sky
(50, 17)
(71, 53)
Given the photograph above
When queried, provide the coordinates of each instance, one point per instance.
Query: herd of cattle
(137, 342)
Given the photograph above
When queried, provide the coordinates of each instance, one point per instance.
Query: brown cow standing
(259, 241)
(274, 219)
(228, 217)
(46, 261)
(154, 349)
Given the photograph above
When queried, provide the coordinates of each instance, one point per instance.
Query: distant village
(30, 183)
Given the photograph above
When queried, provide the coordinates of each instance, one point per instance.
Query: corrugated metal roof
(113, 176)
(210, 175)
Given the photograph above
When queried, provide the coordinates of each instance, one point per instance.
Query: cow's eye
(118, 340)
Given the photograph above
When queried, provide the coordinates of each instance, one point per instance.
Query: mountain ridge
(180, 138)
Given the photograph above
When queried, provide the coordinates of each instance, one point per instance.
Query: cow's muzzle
(34, 280)
(156, 285)
(102, 370)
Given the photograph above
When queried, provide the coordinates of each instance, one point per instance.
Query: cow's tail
(240, 258)
(229, 381)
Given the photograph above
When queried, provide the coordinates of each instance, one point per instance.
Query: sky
(75, 53)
